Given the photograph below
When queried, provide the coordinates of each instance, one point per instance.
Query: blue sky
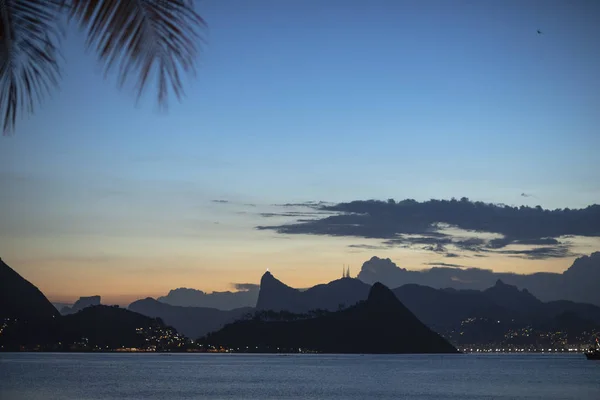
(308, 100)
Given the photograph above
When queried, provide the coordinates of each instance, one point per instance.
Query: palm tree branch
(142, 36)
(29, 66)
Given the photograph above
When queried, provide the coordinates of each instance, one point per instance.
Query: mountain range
(436, 307)
(443, 310)
(193, 322)
(379, 324)
(83, 302)
(578, 283)
(245, 296)
(337, 294)
(478, 315)
(29, 321)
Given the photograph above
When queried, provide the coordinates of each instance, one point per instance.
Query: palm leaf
(28, 56)
(139, 37)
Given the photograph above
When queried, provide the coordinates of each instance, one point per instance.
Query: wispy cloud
(442, 264)
(311, 204)
(527, 195)
(244, 287)
(368, 247)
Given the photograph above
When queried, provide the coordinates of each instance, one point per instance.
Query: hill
(193, 322)
(21, 300)
(443, 308)
(245, 296)
(112, 327)
(93, 328)
(28, 321)
(277, 296)
(440, 309)
(80, 304)
(380, 324)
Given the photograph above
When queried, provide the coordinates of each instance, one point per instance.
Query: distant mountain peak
(83, 302)
(188, 297)
(505, 287)
(511, 297)
(340, 293)
(269, 279)
(267, 274)
(381, 295)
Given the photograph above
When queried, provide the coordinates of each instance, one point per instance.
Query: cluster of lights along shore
(579, 349)
(163, 339)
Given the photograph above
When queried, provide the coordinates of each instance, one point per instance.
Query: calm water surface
(238, 376)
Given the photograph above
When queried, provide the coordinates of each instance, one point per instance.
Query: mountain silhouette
(510, 297)
(193, 322)
(584, 311)
(444, 308)
(578, 283)
(107, 327)
(380, 324)
(341, 293)
(221, 300)
(440, 309)
(30, 320)
(95, 327)
(276, 295)
(80, 304)
(570, 322)
(21, 300)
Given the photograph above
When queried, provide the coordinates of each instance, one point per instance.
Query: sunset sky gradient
(296, 101)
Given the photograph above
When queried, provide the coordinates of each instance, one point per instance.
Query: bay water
(102, 376)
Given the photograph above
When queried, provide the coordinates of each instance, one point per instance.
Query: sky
(297, 101)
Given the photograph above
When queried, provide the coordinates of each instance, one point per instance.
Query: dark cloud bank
(410, 224)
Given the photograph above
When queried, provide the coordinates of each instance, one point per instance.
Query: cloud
(367, 247)
(311, 204)
(245, 287)
(499, 243)
(289, 214)
(442, 264)
(541, 253)
(413, 224)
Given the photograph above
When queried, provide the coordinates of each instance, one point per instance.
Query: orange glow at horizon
(300, 264)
